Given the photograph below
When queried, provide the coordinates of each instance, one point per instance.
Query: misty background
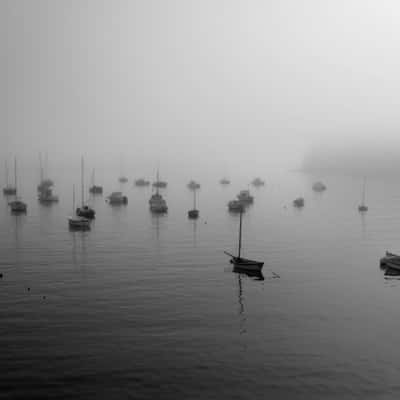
(222, 84)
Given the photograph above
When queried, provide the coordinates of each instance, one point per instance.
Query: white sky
(207, 80)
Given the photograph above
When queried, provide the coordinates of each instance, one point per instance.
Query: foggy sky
(202, 81)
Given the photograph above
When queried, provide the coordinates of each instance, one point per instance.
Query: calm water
(148, 307)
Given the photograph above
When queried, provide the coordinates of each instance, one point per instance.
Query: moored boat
(257, 182)
(299, 202)
(160, 184)
(116, 198)
(47, 196)
(193, 185)
(244, 263)
(318, 186)
(95, 189)
(17, 205)
(390, 260)
(362, 207)
(76, 222)
(193, 213)
(45, 187)
(84, 211)
(79, 223)
(8, 190)
(235, 205)
(142, 182)
(245, 197)
(224, 181)
(157, 202)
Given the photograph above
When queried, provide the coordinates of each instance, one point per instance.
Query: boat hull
(116, 199)
(298, 202)
(193, 214)
(158, 209)
(86, 212)
(18, 207)
(160, 184)
(8, 191)
(79, 224)
(390, 260)
(96, 190)
(246, 264)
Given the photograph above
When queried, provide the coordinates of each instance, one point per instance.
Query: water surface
(146, 306)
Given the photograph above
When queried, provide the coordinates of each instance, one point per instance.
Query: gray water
(146, 306)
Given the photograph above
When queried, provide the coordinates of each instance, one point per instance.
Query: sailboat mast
(82, 184)
(363, 193)
(15, 174)
(240, 234)
(46, 164)
(73, 199)
(158, 179)
(194, 199)
(41, 168)
(6, 165)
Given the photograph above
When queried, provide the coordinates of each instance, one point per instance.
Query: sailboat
(8, 190)
(17, 206)
(158, 183)
(157, 203)
(77, 222)
(362, 207)
(193, 185)
(84, 211)
(257, 182)
(45, 187)
(94, 189)
(240, 262)
(193, 214)
(122, 178)
(224, 181)
(142, 182)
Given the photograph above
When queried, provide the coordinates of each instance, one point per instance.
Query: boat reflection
(79, 248)
(390, 271)
(242, 316)
(158, 221)
(194, 233)
(257, 275)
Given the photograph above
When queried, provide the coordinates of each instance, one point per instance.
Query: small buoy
(44, 297)
(1, 275)
(29, 289)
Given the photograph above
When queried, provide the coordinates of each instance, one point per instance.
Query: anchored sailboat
(8, 190)
(157, 203)
(44, 188)
(77, 222)
(193, 214)
(240, 262)
(17, 206)
(95, 189)
(362, 207)
(193, 185)
(84, 211)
